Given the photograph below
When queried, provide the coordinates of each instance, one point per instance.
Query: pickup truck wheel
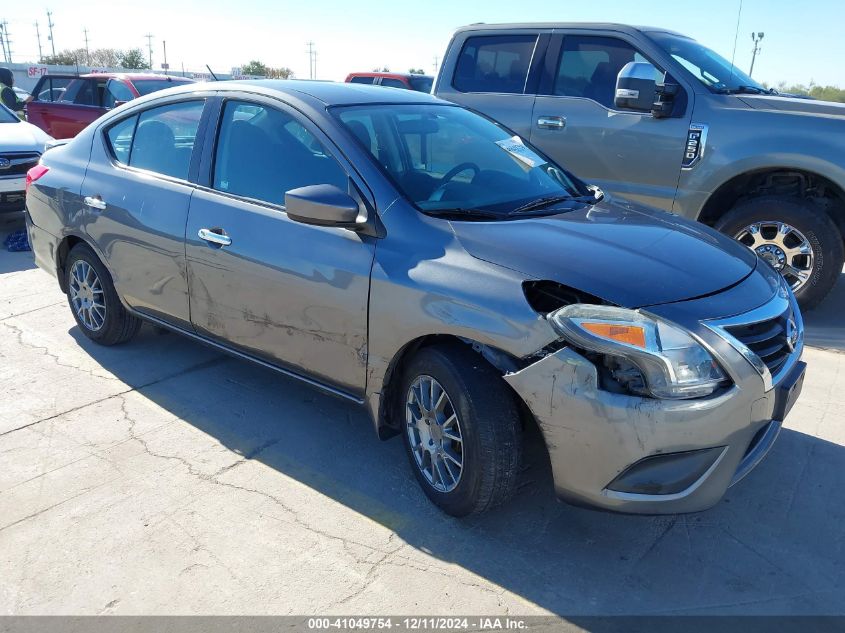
(462, 430)
(798, 239)
(94, 301)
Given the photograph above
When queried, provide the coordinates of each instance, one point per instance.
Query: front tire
(796, 237)
(93, 300)
(461, 429)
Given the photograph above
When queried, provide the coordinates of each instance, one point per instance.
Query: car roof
(328, 93)
(599, 26)
(136, 76)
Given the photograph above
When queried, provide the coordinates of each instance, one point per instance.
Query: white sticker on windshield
(515, 148)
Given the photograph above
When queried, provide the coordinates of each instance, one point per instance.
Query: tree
(416, 71)
(824, 93)
(66, 57)
(133, 59)
(280, 73)
(381, 70)
(255, 67)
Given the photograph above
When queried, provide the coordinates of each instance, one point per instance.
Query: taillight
(34, 174)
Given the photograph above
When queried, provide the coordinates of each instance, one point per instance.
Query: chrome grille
(20, 163)
(769, 339)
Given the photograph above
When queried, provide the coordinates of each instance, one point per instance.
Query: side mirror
(322, 205)
(665, 103)
(635, 87)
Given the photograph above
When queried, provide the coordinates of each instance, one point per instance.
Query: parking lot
(162, 477)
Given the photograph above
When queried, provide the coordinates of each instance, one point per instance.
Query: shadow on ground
(773, 545)
(826, 323)
(13, 262)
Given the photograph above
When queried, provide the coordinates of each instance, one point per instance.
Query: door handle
(95, 202)
(214, 236)
(551, 122)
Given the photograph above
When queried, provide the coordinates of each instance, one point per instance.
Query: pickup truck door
(292, 294)
(576, 123)
(496, 75)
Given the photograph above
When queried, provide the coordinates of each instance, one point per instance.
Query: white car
(21, 146)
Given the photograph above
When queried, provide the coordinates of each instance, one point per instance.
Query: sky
(802, 40)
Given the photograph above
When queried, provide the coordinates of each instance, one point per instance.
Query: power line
(38, 35)
(50, 26)
(149, 37)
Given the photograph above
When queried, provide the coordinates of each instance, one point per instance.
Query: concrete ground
(163, 478)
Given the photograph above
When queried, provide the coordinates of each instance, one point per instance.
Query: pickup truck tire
(448, 393)
(755, 223)
(93, 300)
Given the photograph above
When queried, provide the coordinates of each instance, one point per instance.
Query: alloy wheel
(434, 432)
(784, 247)
(86, 295)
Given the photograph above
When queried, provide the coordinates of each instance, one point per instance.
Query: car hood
(795, 105)
(22, 137)
(623, 253)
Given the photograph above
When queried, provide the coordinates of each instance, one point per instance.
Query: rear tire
(487, 421)
(811, 227)
(93, 300)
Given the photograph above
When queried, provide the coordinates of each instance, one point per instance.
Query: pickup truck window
(496, 63)
(707, 66)
(588, 67)
(52, 88)
(362, 80)
(389, 82)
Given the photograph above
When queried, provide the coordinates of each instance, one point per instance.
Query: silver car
(412, 256)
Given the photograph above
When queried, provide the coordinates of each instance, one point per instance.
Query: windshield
(147, 86)
(421, 83)
(444, 157)
(710, 68)
(7, 116)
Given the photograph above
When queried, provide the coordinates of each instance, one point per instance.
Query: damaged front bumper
(645, 455)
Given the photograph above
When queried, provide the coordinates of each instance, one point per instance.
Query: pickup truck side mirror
(322, 205)
(665, 103)
(636, 87)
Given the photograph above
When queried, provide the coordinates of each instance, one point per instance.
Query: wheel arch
(387, 409)
(779, 181)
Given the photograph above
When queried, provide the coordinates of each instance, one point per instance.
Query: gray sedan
(412, 256)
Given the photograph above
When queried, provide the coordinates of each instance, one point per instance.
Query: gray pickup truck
(656, 117)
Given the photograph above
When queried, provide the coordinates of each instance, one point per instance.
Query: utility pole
(38, 35)
(3, 44)
(165, 66)
(50, 26)
(756, 38)
(149, 37)
(436, 62)
(7, 52)
(312, 60)
(87, 53)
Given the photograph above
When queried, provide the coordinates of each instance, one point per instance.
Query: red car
(63, 105)
(420, 83)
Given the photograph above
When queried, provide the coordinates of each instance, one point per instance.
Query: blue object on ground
(17, 241)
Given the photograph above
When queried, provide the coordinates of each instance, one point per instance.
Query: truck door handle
(215, 236)
(95, 202)
(551, 122)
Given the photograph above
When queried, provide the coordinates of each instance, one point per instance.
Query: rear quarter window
(494, 63)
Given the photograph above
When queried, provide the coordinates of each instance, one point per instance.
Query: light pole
(756, 38)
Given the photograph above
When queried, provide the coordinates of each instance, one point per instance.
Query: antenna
(50, 26)
(736, 37)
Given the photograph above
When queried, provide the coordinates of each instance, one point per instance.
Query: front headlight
(672, 363)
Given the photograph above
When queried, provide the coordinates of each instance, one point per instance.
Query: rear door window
(52, 88)
(160, 139)
(263, 152)
(495, 63)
